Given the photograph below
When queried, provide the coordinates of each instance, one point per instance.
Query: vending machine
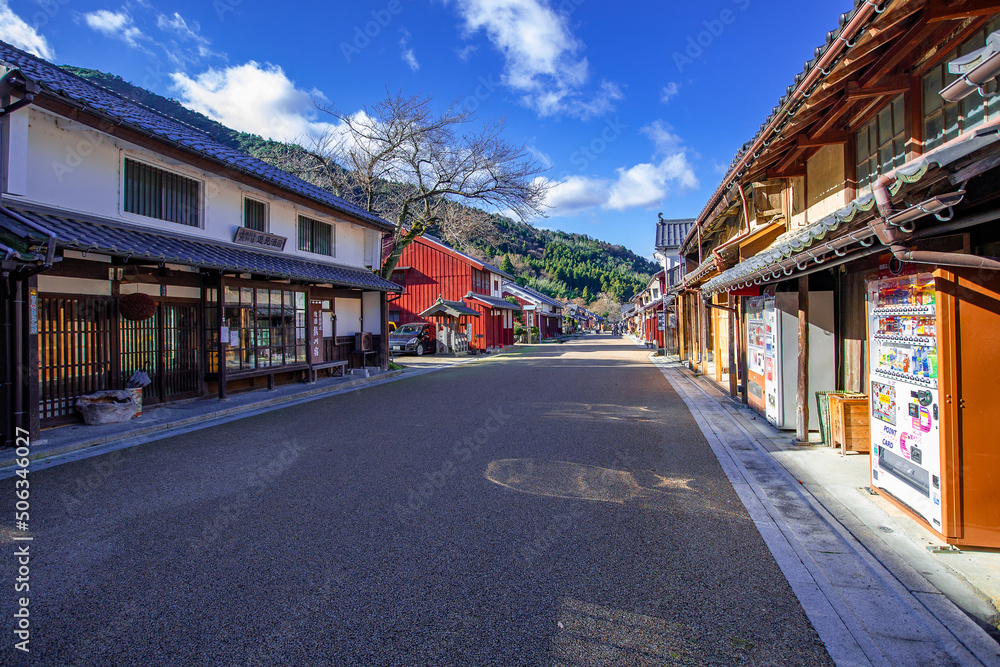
(755, 353)
(781, 349)
(905, 425)
(935, 402)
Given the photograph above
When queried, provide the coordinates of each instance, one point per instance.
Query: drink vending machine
(905, 425)
(772, 351)
(935, 403)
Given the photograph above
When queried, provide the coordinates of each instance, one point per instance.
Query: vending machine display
(755, 352)
(906, 445)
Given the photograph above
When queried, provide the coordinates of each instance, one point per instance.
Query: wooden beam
(902, 47)
(789, 159)
(943, 10)
(889, 86)
(791, 172)
(805, 141)
(830, 118)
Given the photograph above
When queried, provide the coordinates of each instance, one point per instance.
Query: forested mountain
(566, 266)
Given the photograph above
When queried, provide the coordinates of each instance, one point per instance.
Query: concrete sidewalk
(861, 569)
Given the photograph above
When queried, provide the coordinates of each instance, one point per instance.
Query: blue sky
(635, 107)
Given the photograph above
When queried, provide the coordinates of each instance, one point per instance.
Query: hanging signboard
(257, 239)
(315, 332)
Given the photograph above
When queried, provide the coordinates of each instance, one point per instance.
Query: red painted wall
(435, 272)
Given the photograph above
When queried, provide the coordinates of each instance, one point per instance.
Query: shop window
(266, 327)
(254, 215)
(944, 121)
(164, 195)
(881, 144)
(316, 236)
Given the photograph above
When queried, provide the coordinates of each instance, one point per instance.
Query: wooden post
(223, 340)
(802, 389)
(703, 311)
(383, 305)
(742, 338)
(731, 302)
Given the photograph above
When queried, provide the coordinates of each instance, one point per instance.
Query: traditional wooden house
(851, 246)
(650, 312)
(430, 269)
(540, 310)
(158, 249)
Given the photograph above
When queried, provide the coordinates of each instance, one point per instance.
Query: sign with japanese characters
(257, 239)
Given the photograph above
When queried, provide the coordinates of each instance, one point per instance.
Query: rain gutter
(894, 236)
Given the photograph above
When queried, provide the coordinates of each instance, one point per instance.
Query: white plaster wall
(348, 316)
(71, 166)
(62, 285)
(372, 317)
(17, 150)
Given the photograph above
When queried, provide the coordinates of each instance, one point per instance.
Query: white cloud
(465, 53)
(406, 53)
(576, 194)
(543, 59)
(187, 32)
(118, 25)
(544, 159)
(254, 98)
(669, 91)
(642, 185)
(14, 30)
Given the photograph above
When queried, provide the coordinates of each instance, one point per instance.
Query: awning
(129, 241)
(493, 302)
(449, 309)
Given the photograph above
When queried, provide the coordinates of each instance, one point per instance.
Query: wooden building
(540, 310)
(430, 269)
(877, 167)
(157, 249)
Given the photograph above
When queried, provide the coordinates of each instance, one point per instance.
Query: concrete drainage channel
(865, 614)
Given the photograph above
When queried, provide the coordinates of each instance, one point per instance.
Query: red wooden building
(429, 268)
(540, 310)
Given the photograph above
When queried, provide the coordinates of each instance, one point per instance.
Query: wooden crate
(850, 422)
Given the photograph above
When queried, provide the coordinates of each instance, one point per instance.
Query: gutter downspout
(51, 249)
(863, 14)
(894, 238)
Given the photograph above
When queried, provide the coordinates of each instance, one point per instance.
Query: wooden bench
(324, 365)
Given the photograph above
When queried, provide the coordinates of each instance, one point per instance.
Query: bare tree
(411, 166)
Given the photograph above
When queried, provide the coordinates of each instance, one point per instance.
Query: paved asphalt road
(558, 506)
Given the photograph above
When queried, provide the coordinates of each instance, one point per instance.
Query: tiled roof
(58, 83)
(671, 233)
(529, 294)
(449, 308)
(129, 241)
(493, 301)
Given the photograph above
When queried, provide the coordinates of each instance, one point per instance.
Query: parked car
(416, 337)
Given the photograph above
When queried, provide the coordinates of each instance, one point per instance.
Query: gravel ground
(558, 506)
